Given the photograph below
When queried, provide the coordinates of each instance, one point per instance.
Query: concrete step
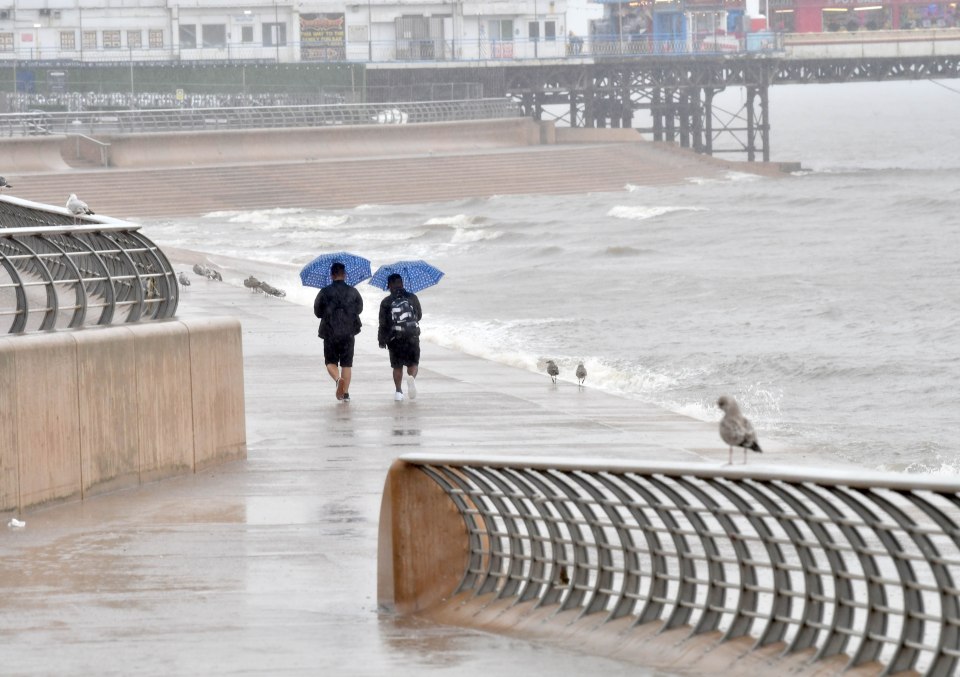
(193, 191)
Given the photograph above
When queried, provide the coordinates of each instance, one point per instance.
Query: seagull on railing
(77, 207)
(735, 429)
(4, 184)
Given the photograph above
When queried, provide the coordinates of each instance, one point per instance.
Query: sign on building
(322, 37)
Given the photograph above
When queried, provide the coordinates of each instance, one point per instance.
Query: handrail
(831, 565)
(66, 275)
(102, 147)
(255, 117)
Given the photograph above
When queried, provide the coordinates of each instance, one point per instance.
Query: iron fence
(192, 119)
(862, 566)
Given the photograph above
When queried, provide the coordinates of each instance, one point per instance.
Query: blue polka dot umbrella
(417, 275)
(317, 272)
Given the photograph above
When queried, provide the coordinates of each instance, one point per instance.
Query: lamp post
(80, 10)
(369, 31)
(276, 28)
(36, 40)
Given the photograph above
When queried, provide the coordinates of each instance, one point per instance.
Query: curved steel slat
(716, 593)
(553, 593)
(517, 551)
(23, 307)
(687, 570)
(841, 619)
(80, 312)
(657, 590)
(812, 617)
(876, 622)
(533, 582)
(50, 312)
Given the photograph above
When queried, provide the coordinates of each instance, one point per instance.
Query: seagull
(581, 373)
(4, 184)
(735, 429)
(253, 284)
(183, 279)
(76, 206)
(553, 370)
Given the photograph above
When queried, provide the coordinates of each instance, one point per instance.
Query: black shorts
(338, 351)
(404, 353)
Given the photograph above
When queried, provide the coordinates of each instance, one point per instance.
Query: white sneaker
(412, 387)
(398, 397)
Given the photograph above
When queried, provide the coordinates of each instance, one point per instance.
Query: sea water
(826, 302)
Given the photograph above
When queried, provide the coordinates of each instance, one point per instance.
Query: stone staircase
(197, 190)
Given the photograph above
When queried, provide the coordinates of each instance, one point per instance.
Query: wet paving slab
(268, 566)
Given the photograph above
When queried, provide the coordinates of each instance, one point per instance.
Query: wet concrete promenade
(268, 566)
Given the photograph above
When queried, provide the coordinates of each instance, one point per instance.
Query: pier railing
(861, 570)
(58, 271)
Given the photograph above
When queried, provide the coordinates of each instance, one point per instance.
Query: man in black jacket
(338, 305)
(399, 333)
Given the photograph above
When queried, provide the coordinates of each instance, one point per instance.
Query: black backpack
(403, 319)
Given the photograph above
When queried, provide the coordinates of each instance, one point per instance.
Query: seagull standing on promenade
(76, 206)
(735, 429)
(183, 279)
(553, 370)
(581, 373)
(4, 184)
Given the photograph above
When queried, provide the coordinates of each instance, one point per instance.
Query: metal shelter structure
(58, 271)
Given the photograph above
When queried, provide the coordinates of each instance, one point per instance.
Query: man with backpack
(399, 333)
(338, 305)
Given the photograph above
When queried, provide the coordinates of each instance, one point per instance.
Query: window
(550, 30)
(533, 30)
(214, 35)
(89, 40)
(188, 36)
(6, 42)
(68, 40)
(501, 29)
(111, 39)
(156, 38)
(274, 35)
(246, 34)
(134, 39)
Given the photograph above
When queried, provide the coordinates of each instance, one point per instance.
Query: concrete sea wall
(95, 410)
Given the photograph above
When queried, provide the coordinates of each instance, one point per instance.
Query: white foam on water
(643, 212)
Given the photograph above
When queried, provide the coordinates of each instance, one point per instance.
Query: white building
(283, 30)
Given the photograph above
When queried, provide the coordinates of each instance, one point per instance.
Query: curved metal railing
(58, 271)
(865, 567)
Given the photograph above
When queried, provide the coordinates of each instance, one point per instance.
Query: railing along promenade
(857, 569)
(194, 119)
(59, 271)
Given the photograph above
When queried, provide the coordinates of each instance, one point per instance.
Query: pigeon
(76, 206)
(581, 373)
(4, 184)
(553, 370)
(183, 279)
(253, 284)
(735, 429)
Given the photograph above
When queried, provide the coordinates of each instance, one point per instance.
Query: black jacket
(337, 294)
(383, 331)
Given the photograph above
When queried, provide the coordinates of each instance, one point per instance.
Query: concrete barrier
(99, 409)
(32, 154)
(167, 149)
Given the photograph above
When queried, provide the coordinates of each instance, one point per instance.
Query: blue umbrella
(416, 275)
(317, 272)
